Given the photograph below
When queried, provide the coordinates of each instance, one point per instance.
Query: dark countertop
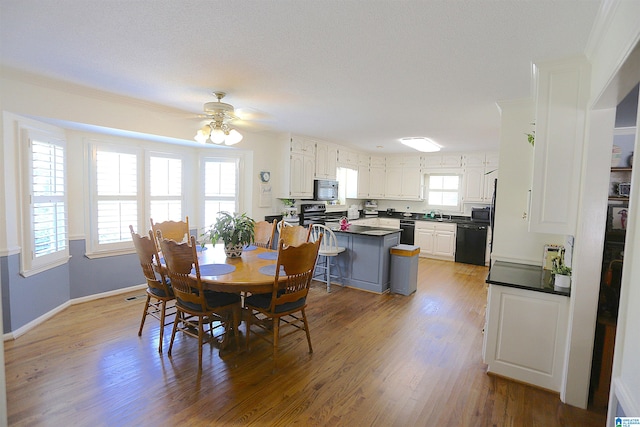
(364, 230)
(421, 217)
(524, 276)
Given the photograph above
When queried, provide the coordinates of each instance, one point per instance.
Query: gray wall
(34, 296)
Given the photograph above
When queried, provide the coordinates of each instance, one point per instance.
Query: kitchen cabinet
(364, 182)
(376, 181)
(371, 177)
(525, 335)
(366, 262)
(447, 161)
(436, 239)
(480, 172)
(347, 158)
(561, 105)
(378, 222)
(403, 178)
(326, 160)
(302, 164)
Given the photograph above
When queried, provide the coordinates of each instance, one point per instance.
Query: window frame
(94, 248)
(238, 166)
(27, 134)
(444, 173)
(147, 184)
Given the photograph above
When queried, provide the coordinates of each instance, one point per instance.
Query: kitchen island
(366, 262)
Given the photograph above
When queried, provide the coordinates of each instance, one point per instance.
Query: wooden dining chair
(329, 250)
(172, 230)
(194, 302)
(159, 291)
(281, 224)
(287, 298)
(294, 235)
(263, 233)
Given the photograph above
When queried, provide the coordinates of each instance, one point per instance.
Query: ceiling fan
(219, 129)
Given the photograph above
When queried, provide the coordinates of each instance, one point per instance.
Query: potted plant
(561, 273)
(236, 231)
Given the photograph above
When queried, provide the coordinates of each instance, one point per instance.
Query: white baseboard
(35, 322)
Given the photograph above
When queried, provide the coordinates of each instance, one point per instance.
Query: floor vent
(135, 297)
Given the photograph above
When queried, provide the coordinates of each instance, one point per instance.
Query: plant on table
(235, 230)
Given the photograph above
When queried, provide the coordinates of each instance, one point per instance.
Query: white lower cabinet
(525, 335)
(378, 222)
(436, 240)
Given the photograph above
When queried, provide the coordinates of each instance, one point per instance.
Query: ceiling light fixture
(421, 144)
(219, 131)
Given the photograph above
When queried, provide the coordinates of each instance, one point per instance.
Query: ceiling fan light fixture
(201, 137)
(218, 131)
(425, 145)
(233, 138)
(217, 136)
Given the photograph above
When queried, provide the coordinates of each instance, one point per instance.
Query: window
(45, 237)
(220, 187)
(165, 188)
(115, 204)
(347, 184)
(444, 191)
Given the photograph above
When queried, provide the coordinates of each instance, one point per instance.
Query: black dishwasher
(471, 243)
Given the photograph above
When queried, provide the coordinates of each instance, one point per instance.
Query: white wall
(615, 58)
(512, 240)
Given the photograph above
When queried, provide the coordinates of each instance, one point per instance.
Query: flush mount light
(421, 144)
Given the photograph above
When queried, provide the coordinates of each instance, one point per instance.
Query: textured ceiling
(361, 73)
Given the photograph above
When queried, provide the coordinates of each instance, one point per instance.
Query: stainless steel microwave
(325, 189)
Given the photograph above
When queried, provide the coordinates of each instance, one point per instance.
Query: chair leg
(177, 320)
(163, 309)
(200, 337)
(276, 336)
(306, 329)
(328, 262)
(144, 314)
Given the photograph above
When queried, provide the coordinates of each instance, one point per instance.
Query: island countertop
(524, 276)
(364, 230)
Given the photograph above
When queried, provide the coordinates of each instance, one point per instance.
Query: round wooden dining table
(253, 272)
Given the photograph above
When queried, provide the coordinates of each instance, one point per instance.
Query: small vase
(562, 281)
(233, 251)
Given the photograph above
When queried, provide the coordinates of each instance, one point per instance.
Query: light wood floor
(383, 360)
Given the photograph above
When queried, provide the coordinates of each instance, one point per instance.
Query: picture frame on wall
(617, 217)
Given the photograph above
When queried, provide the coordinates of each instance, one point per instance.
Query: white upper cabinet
(326, 160)
(562, 96)
(480, 172)
(437, 161)
(301, 145)
(302, 165)
(347, 158)
(376, 177)
(403, 178)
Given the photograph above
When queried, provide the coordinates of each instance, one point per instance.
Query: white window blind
(165, 188)
(117, 192)
(220, 187)
(45, 240)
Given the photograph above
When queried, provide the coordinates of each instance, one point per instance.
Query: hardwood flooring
(379, 360)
